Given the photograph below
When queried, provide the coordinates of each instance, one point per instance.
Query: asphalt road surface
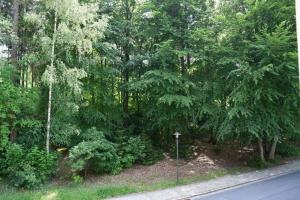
(286, 187)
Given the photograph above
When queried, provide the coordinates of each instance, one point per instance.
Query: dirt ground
(205, 160)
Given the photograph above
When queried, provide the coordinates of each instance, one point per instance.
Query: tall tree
(15, 27)
(51, 74)
(121, 33)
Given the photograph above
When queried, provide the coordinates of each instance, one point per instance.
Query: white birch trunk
(51, 81)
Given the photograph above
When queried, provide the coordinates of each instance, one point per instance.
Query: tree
(71, 31)
(259, 103)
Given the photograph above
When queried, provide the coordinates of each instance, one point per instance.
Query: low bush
(130, 151)
(185, 151)
(256, 162)
(138, 150)
(99, 156)
(28, 168)
(287, 150)
(151, 154)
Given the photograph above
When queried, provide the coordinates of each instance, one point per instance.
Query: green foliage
(28, 168)
(287, 150)
(30, 133)
(92, 134)
(9, 105)
(168, 99)
(76, 179)
(17, 108)
(256, 101)
(256, 162)
(99, 156)
(130, 151)
(152, 153)
(185, 151)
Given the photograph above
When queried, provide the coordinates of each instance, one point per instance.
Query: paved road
(286, 187)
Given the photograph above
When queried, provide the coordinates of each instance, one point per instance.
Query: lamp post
(177, 156)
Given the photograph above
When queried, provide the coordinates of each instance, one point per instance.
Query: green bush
(76, 179)
(256, 162)
(138, 150)
(287, 150)
(100, 156)
(92, 134)
(151, 154)
(131, 151)
(30, 133)
(28, 168)
(185, 151)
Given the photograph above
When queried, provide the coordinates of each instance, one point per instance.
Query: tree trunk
(50, 82)
(273, 148)
(188, 60)
(183, 69)
(32, 76)
(261, 150)
(125, 92)
(15, 44)
(125, 95)
(13, 135)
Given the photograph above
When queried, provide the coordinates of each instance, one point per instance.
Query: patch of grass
(98, 192)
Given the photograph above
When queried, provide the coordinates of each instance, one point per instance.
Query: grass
(98, 192)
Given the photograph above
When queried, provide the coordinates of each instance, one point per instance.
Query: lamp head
(177, 135)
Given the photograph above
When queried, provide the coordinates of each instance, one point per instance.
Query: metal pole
(177, 156)
(177, 170)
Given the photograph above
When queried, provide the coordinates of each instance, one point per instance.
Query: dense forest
(103, 84)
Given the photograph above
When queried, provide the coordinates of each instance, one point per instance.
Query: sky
(3, 53)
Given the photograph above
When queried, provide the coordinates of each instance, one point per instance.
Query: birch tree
(51, 71)
(75, 28)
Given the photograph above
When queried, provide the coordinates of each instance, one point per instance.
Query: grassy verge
(96, 192)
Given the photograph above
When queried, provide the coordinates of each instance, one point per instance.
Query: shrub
(256, 162)
(286, 150)
(138, 149)
(76, 179)
(100, 156)
(30, 133)
(131, 151)
(151, 154)
(92, 134)
(28, 169)
(185, 151)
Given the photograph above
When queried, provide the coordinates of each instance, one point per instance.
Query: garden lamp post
(177, 156)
